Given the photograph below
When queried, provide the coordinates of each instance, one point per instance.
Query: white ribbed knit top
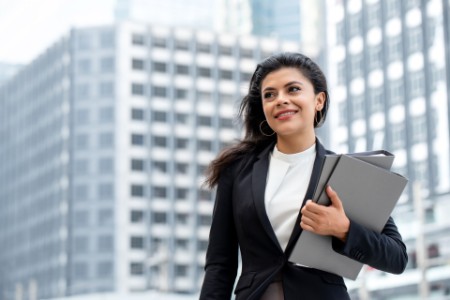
(287, 180)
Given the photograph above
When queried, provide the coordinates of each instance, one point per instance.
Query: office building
(389, 71)
(105, 138)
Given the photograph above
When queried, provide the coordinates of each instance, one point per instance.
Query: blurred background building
(105, 136)
(389, 64)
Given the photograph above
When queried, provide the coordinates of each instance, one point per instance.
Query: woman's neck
(290, 145)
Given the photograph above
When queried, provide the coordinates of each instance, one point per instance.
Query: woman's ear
(320, 101)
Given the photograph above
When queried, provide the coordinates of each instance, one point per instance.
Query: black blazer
(240, 221)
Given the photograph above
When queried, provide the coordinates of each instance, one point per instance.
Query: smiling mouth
(285, 114)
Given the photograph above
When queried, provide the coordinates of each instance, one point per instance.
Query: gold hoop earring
(262, 132)
(318, 112)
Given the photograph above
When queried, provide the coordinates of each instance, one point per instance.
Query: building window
(160, 141)
(160, 91)
(106, 166)
(181, 270)
(181, 143)
(181, 168)
(105, 243)
(160, 116)
(358, 107)
(181, 193)
(137, 89)
(137, 164)
(341, 73)
(138, 39)
(416, 84)
(106, 89)
(203, 48)
(204, 96)
(394, 47)
(104, 269)
(204, 195)
(105, 191)
(181, 118)
(137, 64)
(419, 129)
(182, 218)
(376, 100)
(137, 190)
(202, 245)
(137, 139)
(137, 242)
(398, 136)
(226, 98)
(81, 218)
(159, 67)
(82, 116)
(226, 74)
(81, 192)
(226, 123)
(245, 76)
(84, 41)
(396, 92)
(105, 217)
(393, 8)
(204, 220)
(355, 24)
(136, 269)
(225, 50)
(340, 33)
(246, 52)
(159, 218)
(414, 39)
(375, 57)
(137, 114)
(182, 45)
(107, 64)
(82, 141)
(357, 66)
(373, 15)
(81, 244)
(160, 192)
(83, 91)
(106, 115)
(106, 140)
(84, 66)
(136, 216)
(159, 42)
(182, 69)
(181, 94)
(204, 72)
(343, 113)
(160, 166)
(81, 166)
(80, 270)
(421, 173)
(205, 145)
(107, 39)
(204, 121)
(182, 244)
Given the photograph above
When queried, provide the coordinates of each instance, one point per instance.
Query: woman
(263, 186)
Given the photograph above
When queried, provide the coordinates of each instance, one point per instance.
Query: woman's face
(289, 102)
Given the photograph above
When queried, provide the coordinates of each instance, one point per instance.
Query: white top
(287, 180)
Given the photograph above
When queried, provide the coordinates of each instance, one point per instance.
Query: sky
(28, 27)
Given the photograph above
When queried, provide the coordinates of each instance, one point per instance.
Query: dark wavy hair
(251, 109)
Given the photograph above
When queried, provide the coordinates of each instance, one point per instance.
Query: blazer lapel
(259, 177)
(317, 167)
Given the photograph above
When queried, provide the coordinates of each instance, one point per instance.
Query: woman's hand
(326, 220)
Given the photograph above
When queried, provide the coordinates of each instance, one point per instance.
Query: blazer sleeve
(384, 251)
(222, 253)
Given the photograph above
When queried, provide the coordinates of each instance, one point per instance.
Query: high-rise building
(7, 71)
(389, 67)
(104, 141)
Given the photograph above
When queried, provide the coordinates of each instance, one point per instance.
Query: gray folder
(369, 193)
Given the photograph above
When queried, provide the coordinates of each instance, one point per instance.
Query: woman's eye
(294, 89)
(268, 95)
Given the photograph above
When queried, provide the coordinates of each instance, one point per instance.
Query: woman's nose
(281, 98)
